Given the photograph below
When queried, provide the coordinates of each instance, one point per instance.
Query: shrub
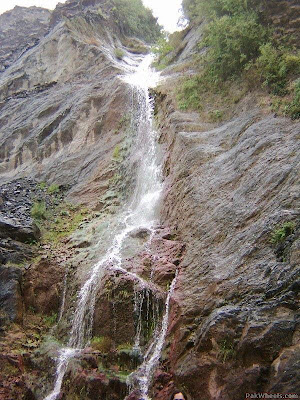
(188, 96)
(119, 53)
(236, 43)
(293, 108)
(54, 188)
(135, 19)
(292, 62)
(42, 185)
(282, 232)
(161, 50)
(273, 69)
(195, 9)
(167, 48)
(116, 152)
(226, 350)
(102, 343)
(38, 210)
(134, 45)
(125, 346)
(50, 319)
(215, 115)
(233, 41)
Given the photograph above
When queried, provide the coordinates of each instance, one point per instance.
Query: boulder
(11, 228)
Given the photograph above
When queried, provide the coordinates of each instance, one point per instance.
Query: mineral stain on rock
(220, 259)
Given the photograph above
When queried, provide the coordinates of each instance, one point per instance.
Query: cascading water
(142, 377)
(140, 213)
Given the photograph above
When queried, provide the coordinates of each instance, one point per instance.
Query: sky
(167, 11)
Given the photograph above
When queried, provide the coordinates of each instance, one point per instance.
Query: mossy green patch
(54, 188)
(282, 232)
(62, 222)
(39, 211)
(102, 343)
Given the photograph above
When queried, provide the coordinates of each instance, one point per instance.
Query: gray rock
(20, 30)
(11, 303)
(12, 229)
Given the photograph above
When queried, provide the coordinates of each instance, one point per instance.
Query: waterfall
(142, 377)
(140, 213)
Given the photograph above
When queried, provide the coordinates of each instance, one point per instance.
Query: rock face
(71, 107)
(11, 302)
(20, 30)
(229, 189)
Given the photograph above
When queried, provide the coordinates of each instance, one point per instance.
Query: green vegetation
(38, 210)
(282, 232)
(232, 42)
(226, 350)
(165, 47)
(162, 51)
(20, 264)
(62, 222)
(42, 185)
(119, 53)
(54, 188)
(103, 344)
(102, 13)
(135, 45)
(215, 115)
(189, 95)
(293, 108)
(195, 10)
(50, 319)
(116, 152)
(236, 46)
(135, 19)
(124, 347)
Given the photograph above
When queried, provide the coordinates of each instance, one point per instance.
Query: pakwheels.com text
(271, 396)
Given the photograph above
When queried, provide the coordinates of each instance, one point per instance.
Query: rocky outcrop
(11, 300)
(20, 30)
(42, 287)
(72, 106)
(227, 189)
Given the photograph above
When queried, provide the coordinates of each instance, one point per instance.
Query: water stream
(142, 377)
(141, 212)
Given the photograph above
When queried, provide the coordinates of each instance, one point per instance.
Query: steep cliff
(225, 247)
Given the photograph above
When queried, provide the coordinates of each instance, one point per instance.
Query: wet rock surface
(72, 109)
(20, 30)
(227, 190)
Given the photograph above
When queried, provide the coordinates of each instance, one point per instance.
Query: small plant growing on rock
(281, 233)
(38, 210)
(116, 153)
(102, 343)
(125, 346)
(215, 115)
(54, 188)
(50, 319)
(42, 185)
(119, 53)
(226, 350)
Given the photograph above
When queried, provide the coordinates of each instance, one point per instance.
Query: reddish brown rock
(42, 287)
